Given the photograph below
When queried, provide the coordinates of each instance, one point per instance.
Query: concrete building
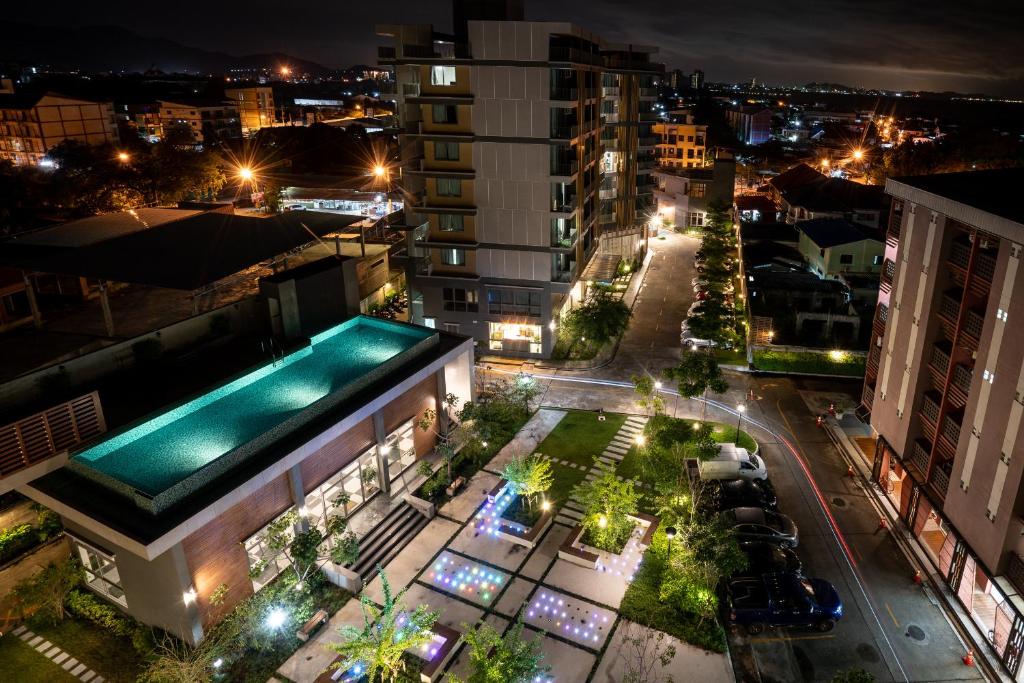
(255, 107)
(681, 145)
(523, 143)
(207, 120)
(833, 247)
(752, 125)
(944, 388)
(683, 194)
(697, 79)
(32, 124)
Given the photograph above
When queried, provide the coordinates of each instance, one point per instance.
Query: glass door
(401, 455)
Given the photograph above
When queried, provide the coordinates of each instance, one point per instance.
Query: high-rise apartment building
(945, 388)
(697, 79)
(522, 143)
(752, 124)
(255, 107)
(31, 125)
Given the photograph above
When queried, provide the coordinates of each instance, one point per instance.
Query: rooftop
(804, 186)
(185, 250)
(992, 191)
(832, 232)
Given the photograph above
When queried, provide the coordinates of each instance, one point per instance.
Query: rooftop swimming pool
(158, 461)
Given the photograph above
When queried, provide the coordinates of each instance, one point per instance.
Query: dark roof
(831, 232)
(992, 191)
(305, 270)
(184, 254)
(776, 232)
(755, 202)
(804, 186)
(20, 100)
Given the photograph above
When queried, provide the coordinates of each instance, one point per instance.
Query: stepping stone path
(57, 656)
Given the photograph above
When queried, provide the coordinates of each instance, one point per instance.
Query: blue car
(782, 599)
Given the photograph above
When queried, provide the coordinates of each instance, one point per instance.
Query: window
(514, 302)
(450, 222)
(442, 75)
(696, 219)
(445, 113)
(101, 573)
(451, 327)
(430, 322)
(877, 260)
(698, 189)
(449, 187)
(846, 259)
(462, 300)
(446, 151)
(689, 138)
(453, 257)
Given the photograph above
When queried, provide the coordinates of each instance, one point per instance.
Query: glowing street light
(657, 385)
(640, 440)
(740, 409)
(546, 505)
(285, 71)
(670, 533)
(276, 618)
(245, 173)
(123, 157)
(858, 154)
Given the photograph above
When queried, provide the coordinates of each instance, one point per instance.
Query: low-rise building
(684, 194)
(207, 120)
(834, 246)
(255, 107)
(33, 124)
(802, 193)
(681, 145)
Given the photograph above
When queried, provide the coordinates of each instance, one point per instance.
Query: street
(892, 628)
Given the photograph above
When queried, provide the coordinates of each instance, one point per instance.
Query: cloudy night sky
(934, 45)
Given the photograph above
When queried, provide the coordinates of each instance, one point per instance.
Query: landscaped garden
(663, 433)
(810, 362)
(580, 436)
(19, 662)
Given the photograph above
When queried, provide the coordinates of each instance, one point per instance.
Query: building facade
(522, 144)
(683, 195)
(752, 125)
(207, 122)
(30, 126)
(255, 107)
(834, 247)
(944, 388)
(681, 145)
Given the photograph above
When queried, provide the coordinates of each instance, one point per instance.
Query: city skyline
(943, 46)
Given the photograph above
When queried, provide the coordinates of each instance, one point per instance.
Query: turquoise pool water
(165, 450)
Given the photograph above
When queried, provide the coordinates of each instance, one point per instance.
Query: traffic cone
(849, 471)
(820, 422)
(968, 658)
(832, 409)
(881, 524)
(917, 576)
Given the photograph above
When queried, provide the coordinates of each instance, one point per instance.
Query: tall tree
(648, 397)
(387, 632)
(599, 319)
(529, 476)
(695, 375)
(509, 658)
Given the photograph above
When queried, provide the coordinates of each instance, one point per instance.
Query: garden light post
(670, 533)
(740, 409)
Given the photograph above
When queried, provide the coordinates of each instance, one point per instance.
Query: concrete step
(387, 539)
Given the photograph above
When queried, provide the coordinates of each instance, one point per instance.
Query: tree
(641, 653)
(649, 397)
(444, 425)
(695, 375)
(305, 550)
(599, 319)
(706, 550)
(387, 632)
(494, 658)
(607, 504)
(44, 593)
(175, 661)
(529, 476)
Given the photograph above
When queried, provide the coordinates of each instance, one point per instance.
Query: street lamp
(123, 157)
(657, 385)
(670, 533)
(740, 409)
(379, 170)
(858, 154)
(245, 173)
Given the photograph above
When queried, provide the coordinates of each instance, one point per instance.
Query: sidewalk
(844, 433)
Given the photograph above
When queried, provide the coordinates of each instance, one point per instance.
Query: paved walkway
(58, 656)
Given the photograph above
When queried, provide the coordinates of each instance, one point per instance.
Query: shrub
(16, 540)
(48, 524)
(143, 640)
(87, 606)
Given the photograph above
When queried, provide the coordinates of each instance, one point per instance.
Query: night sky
(964, 45)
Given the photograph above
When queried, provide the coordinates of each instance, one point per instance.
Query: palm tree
(388, 632)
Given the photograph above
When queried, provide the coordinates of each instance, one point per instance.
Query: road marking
(894, 620)
(780, 639)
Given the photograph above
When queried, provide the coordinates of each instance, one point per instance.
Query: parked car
(755, 524)
(782, 599)
(693, 343)
(725, 494)
(733, 463)
(692, 310)
(701, 295)
(764, 558)
(295, 207)
(699, 281)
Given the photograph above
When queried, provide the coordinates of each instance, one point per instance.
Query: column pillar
(108, 317)
(295, 487)
(193, 620)
(442, 392)
(380, 436)
(33, 304)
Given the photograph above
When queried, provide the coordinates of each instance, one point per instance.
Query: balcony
(960, 254)
(985, 264)
(939, 480)
(974, 323)
(938, 365)
(385, 52)
(559, 94)
(929, 413)
(951, 429)
(920, 453)
(564, 167)
(610, 91)
(962, 377)
(564, 131)
(867, 398)
(565, 204)
(649, 116)
(648, 93)
(949, 307)
(563, 238)
(572, 54)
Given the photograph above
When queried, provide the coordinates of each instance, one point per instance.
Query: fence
(45, 434)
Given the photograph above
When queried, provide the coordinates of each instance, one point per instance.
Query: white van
(733, 463)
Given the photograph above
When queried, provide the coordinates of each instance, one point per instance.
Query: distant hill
(96, 49)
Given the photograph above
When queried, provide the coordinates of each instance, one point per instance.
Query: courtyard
(459, 568)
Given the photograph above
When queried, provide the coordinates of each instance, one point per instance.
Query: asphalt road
(892, 627)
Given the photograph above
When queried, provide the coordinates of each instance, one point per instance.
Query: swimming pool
(157, 461)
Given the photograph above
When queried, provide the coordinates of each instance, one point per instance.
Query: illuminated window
(698, 189)
(450, 222)
(442, 75)
(453, 257)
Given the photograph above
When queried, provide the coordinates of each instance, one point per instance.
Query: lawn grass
(566, 480)
(642, 604)
(733, 356)
(677, 430)
(810, 362)
(109, 655)
(580, 437)
(19, 662)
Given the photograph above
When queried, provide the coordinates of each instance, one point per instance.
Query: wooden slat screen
(45, 434)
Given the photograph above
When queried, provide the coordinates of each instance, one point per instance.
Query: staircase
(387, 539)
